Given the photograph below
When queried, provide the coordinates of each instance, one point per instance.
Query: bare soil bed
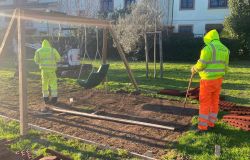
(133, 138)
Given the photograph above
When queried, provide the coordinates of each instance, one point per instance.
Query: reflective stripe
(212, 120)
(52, 56)
(214, 52)
(203, 116)
(214, 62)
(45, 93)
(202, 61)
(54, 94)
(214, 115)
(46, 59)
(214, 70)
(48, 65)
(218, 62)
(202, 124)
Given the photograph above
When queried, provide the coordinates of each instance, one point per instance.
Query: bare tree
(145, 16)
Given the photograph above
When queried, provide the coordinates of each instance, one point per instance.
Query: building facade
(194, 16)
(30, 26)
(198, 16)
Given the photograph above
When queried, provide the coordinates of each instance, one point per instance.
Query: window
(127, 3)
(218, 27)
(107, 5)
(186, 29)
(218, 3)
(187, 4)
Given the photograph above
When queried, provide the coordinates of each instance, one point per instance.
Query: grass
(235, 144)
(37, 143)
(236, 86)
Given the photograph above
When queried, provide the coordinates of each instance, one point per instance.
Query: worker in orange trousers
(212, 67)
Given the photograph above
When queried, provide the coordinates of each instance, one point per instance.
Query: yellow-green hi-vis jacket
(47, 57)
(214, 58)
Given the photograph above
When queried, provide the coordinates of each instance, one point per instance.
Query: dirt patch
(121, 105)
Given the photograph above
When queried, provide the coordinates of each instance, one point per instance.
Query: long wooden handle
(189, 85)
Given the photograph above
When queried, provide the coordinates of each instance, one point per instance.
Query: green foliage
(186, 47)
(235, 144)
(8, 130)
(37, 143)
(182, 47)
(238, 23)
(236, 87)
(130, 28)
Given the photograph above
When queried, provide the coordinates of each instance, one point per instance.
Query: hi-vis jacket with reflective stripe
(214, 58)
(47, 57)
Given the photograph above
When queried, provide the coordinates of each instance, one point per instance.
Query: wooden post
(146, 53)
(161, 54)
(124, 59)
(105, 52)
(105, 46)
(22, 77)
(155, 55)
(9, 31)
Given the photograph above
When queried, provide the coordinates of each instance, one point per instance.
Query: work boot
(46, 100)
(54, 100)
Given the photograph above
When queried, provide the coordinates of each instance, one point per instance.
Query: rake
(189, 85)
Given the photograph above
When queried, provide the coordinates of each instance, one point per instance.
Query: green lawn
(235, 144)
(236, 86)
(37, 142)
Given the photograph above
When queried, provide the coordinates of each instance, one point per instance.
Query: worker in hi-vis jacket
(47, 58)
(212, 67)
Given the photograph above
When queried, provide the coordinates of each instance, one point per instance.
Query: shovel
(189, 85)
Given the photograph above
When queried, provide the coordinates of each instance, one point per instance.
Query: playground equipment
(95, 78)
(97, 54)
(18, 17)
(86, 54)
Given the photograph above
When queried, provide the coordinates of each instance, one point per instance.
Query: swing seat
(95, 78)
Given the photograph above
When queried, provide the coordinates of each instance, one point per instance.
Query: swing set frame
(17, 21)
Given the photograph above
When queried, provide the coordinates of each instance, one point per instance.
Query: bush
(182, 47)
(186, 47)
(238, 23)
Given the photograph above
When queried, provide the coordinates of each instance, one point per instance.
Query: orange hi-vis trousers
(209, 102)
